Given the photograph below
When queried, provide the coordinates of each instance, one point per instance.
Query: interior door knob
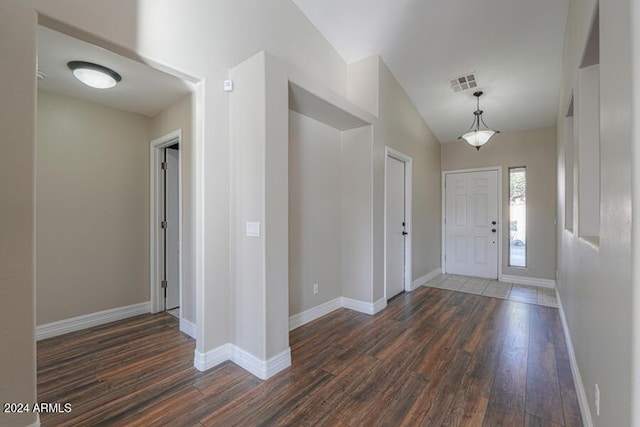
(493, 223)
(493, 230)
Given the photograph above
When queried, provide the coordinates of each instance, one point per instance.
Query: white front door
(471, 223)
(395, 223)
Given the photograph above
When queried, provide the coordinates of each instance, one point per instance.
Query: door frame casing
(443, 246)
(408, 173)
(156, 199)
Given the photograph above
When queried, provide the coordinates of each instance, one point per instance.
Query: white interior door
(471, 223)
(395, 223)
(172, 200)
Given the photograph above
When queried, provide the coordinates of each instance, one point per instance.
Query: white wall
(92, 216)
(534, 149)
(595, 286)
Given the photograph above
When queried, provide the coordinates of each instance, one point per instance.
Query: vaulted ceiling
(514, 47)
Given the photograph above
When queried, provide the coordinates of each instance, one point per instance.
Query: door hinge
(164, 166)
(163, 225)
(163, 284)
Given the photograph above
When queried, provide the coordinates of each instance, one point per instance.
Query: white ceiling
(514, 46)
(143, 90)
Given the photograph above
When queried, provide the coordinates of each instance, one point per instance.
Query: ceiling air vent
(464, 82)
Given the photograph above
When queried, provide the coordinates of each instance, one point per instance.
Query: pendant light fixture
(476, 136)
(94, 75)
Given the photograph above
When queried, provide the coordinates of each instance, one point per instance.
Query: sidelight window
(517, 217)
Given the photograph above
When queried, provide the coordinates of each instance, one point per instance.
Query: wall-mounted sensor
(228, 85)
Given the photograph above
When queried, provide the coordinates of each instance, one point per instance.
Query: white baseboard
(314, 313)
(362, 306)
(188, 328)
(379, 305)
(77, 323)
(323, 309)
(262, 369)
(424, 279)
(206, 361)
(529, 281)
(577, 379)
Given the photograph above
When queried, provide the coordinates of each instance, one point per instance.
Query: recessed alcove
(588, 147)
(302, 167)
(330, 196)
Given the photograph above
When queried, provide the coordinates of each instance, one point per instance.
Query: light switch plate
(253, 229)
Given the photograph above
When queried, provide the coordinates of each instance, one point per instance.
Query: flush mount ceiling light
(476, 136)
(94, 75)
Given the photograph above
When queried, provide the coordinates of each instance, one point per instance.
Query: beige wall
(362, 196)
(248, 168)
(207, 41)
(92, 206)
(17, 180)
(534, 149)
(635, 237)
(315, 202)
(330, 237)
(179, 116)
(211, 37)
(374, 88)
(92, 217)
(402, 128)
(357, 218)
(596, 287)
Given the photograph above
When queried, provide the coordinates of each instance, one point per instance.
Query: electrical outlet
(597, 397)
(315, 288)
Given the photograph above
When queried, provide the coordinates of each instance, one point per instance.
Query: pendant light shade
(94, 75)
(476, 136)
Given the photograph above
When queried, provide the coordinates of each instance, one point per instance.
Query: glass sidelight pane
(517, 217)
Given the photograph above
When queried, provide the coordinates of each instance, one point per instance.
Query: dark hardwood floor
(432, 357)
